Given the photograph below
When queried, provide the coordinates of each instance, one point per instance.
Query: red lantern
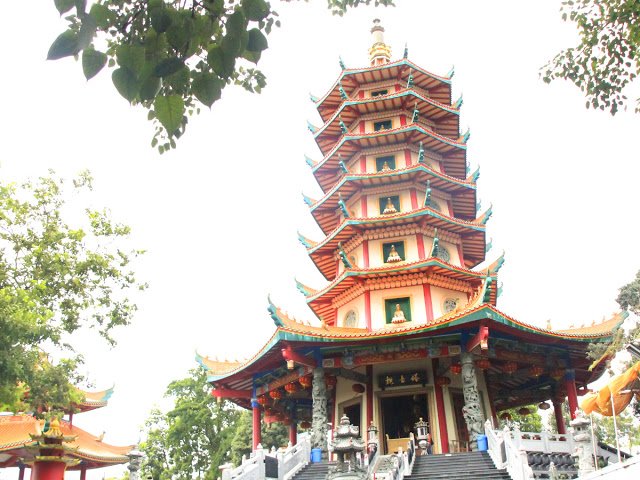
(536, 371)
(263, 400)
(510, 367)
(456, 369)
(483, 363)
(306, 381)
(330, 381)
(278, 416)
(305, 425)
(291, 388)
(286, 421)
(358, 388)
(275, 394)
(505, 416)
(557, 373)
(544, 406)
(442, 381)
(524, 411)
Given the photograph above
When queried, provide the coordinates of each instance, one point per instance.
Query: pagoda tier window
(382, 125)
(442, 253)
(389, 204)
(379, 93)
(391, 306)
(450, 304)
(350, 319)
(385, 163)
(393, 252)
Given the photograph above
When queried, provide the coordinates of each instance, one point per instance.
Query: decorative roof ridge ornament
(343, 127)
(341, 62)
(486, 297)
(308, 200)
(380, 52)
(305, 241)
(451, 72)
(343, 94)
(435, 245)
(342, 206)
(312, 128)
(484, 218)
(309, 161)
(313, 98)
(474, 176)
(342, 165)
(421, 153)
(458, 103)
(273, 313)
(416, 113)
(428, 202)
(405, 54)
(410, 79)
(343, 256)
(465, 137)
(489, 245)
(302, 288)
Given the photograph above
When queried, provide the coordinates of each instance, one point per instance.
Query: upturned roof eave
(354, 71)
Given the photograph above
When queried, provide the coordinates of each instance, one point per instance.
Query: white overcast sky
(219, 215)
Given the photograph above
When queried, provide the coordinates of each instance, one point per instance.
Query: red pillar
(369, 397)
(257, 433)
(557, 411)
(367, 309)
(48, 470)
(83, 472)
(572, 393)
(293, 432)
(22, 466)
(442, 419)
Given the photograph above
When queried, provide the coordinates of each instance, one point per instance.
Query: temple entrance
(399, 414)
(462, 442)
(353, 410)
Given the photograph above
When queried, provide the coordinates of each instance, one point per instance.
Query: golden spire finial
(380, 52)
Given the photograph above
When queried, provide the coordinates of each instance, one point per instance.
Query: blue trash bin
(482, 443)
(316, 455)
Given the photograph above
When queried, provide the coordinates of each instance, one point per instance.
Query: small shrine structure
(51, 448)
(408, 324)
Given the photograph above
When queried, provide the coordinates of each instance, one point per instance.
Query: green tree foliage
(273, 435)
(628, 299)
(605, 60)
(628, 431)
(532, 422)
(56, 277)
(193, 438)
(172, 56)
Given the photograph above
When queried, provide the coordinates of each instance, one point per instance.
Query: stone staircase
(313, 471)
(456, 466)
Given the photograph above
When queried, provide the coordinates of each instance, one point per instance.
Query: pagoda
(51, 448)
(408, 326)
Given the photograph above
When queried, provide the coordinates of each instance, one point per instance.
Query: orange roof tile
(15, 433)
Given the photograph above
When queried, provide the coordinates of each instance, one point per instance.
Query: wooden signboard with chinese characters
(402, 379)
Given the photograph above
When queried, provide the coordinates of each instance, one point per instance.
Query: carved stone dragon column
(471, 411)
(319, 412)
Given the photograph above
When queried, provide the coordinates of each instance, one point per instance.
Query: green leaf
(168, 67)
(169, 110)
(160, 20)
(236, 23)
(257, 41)
(125, 82)
(253, 57)
(64, 46)
(222, 64)
(207, 88)
(101, 15)
(150, 88)
(87, 32)
(92, 62)
(131, 57)
(179, 33)
(64, 5)
(255, 10)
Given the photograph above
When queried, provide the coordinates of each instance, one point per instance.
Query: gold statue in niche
(389, 207)
(398, 315)
(385, 167)
(393, 255)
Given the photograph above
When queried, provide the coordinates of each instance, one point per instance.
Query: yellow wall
(438, 296)
(418, 312)
(356, 305)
